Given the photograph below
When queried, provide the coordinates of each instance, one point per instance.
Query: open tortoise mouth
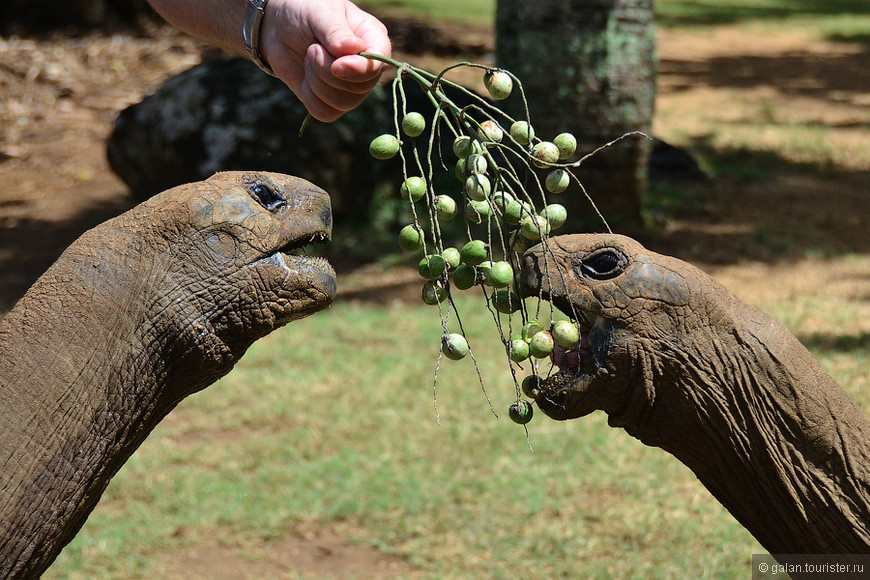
(574, 368)
(294, 257)
(313, 275)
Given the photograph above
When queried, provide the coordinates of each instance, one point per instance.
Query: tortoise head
(214, 265)
(248, 229)
(638, 311)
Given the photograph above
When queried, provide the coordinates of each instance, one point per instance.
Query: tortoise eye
(267, 196)
(604, 264)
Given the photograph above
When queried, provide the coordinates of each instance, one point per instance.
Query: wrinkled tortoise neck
(82, 382)
(774, 438)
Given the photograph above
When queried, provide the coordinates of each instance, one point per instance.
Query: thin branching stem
(512, 166)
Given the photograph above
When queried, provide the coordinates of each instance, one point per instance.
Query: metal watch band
(251, 32)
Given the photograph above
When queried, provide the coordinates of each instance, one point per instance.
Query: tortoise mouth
(296, 252)
(567, 391)
(294, 260)
(558, 395)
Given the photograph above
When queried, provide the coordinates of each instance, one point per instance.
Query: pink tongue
(565, 358)
(569, 358)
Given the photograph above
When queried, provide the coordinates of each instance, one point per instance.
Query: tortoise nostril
(268, 197)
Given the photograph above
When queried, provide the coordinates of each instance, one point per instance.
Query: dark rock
(228, 115)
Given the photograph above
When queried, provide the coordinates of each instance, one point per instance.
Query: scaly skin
(138, 313)
(682, 364)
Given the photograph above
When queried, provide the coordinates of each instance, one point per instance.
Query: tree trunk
(588, 67)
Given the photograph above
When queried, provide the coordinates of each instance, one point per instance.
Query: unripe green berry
(454, 346)
(531, 328)
(445, 207)
(433, 292)
(411, 238)
(513, 212)
(555, 214)
(505, 301)
(541, 344)
(534, 227)
(460, 170)
(545, 154)
(431, 266)
(531, 386)
(477, 187)
(557, 180)
(518, 350)
(567, 144)
(464, 277)
(491, 131)
(500, 275)
(565, 333)
(413, 124)
(413, 189)
(474, 252)
(521, 412)
(499, 84)
(384, 146)
(451, 258)
(477, 212)
(476, 163)
(522, 132)
(500, 199)
(462, 146)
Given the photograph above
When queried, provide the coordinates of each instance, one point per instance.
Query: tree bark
(588, 67)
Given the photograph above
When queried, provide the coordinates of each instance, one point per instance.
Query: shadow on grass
(761, 205)
(29, 245)
(826, 343)
(835, 77)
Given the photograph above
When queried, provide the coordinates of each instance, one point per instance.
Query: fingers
(326, 95)
(364, 33)
(335, 73)
(313, 46)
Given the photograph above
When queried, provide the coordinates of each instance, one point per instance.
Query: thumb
(341, 41)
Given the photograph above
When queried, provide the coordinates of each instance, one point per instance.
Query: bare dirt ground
(59, 96)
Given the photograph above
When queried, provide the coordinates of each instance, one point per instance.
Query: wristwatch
(253, 17)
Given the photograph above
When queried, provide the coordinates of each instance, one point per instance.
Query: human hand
(313, 46)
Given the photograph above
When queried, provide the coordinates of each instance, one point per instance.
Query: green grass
(841, 20)
(477, 11)
(333, 419)
(844, 20)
